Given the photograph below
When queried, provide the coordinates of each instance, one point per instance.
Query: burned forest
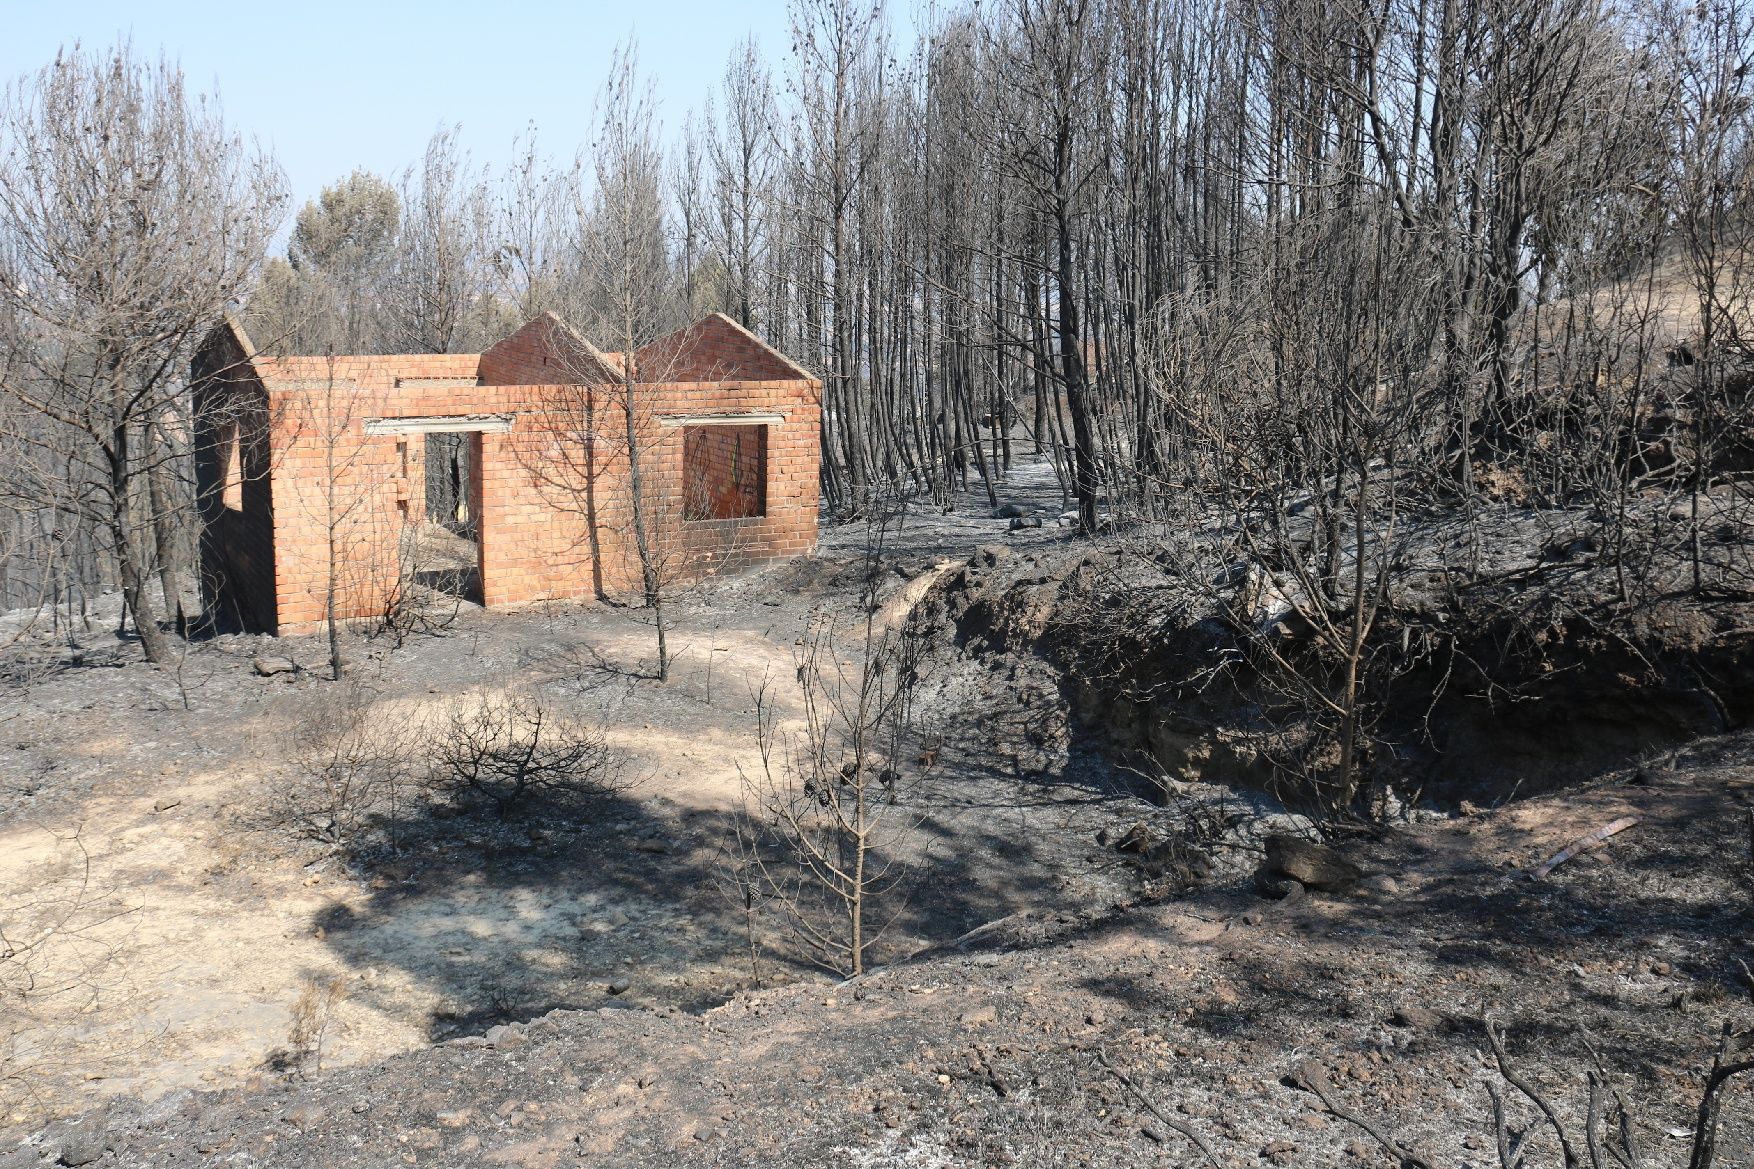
(1032, 583)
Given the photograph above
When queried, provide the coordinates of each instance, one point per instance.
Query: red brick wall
(558, 489)
(236, 546)
(334, 483)
(714, 349)
(788, 527)
(555, 493)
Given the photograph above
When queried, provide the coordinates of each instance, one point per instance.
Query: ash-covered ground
(573, 985)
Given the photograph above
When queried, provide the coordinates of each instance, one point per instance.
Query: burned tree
(823, 832)
(130, 216)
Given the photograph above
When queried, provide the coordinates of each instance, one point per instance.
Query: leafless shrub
(823, 829)
(312, 1012)
(356, 765)
(410, 606)
(511, 745)
(1608, 1139)
(1609, 1126)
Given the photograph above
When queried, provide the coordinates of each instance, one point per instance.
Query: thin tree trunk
(164, 512)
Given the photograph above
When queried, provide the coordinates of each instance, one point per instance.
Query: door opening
(443, 550)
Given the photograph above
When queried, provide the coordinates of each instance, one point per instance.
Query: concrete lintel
(438, 383)
(722, 419)
(441, 424)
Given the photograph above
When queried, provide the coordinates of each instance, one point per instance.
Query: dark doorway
(445, 549)
(450, 464)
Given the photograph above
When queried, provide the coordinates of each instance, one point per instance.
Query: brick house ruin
(503, 476)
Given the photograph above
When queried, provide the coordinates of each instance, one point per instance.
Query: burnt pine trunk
(130, 564)
(1071, 357)
(160, 498)
(648, 565)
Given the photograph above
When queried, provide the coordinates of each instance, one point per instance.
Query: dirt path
(224, 917)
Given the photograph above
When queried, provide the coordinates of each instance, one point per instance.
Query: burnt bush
(512, 745)
(356, 766)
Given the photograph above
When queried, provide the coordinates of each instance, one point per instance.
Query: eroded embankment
(1477, 683)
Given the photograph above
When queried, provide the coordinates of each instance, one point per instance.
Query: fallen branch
(1627, 1152)
(1510, 1153)
(1722, 1069)
(1583, 844)
(1169, 1122)
(1309, 1075)
(1522, 1085)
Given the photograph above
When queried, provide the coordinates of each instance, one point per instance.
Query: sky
(331, 86)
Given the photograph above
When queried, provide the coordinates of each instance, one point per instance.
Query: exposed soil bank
(1512, 680)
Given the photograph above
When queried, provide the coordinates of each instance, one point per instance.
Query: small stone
(620, 986)
(1095, 1019)
(1277, 887)
(1384, 885)
(1139, 838)
(1419, 1019)
(505, 1035)
(1358, 1149)
(304, 1116)
(1279, 1152)
(166, 803)
(267, 667)
(82, 1148)
(943, 1078)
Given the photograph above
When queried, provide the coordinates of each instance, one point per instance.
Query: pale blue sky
(331, 86)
